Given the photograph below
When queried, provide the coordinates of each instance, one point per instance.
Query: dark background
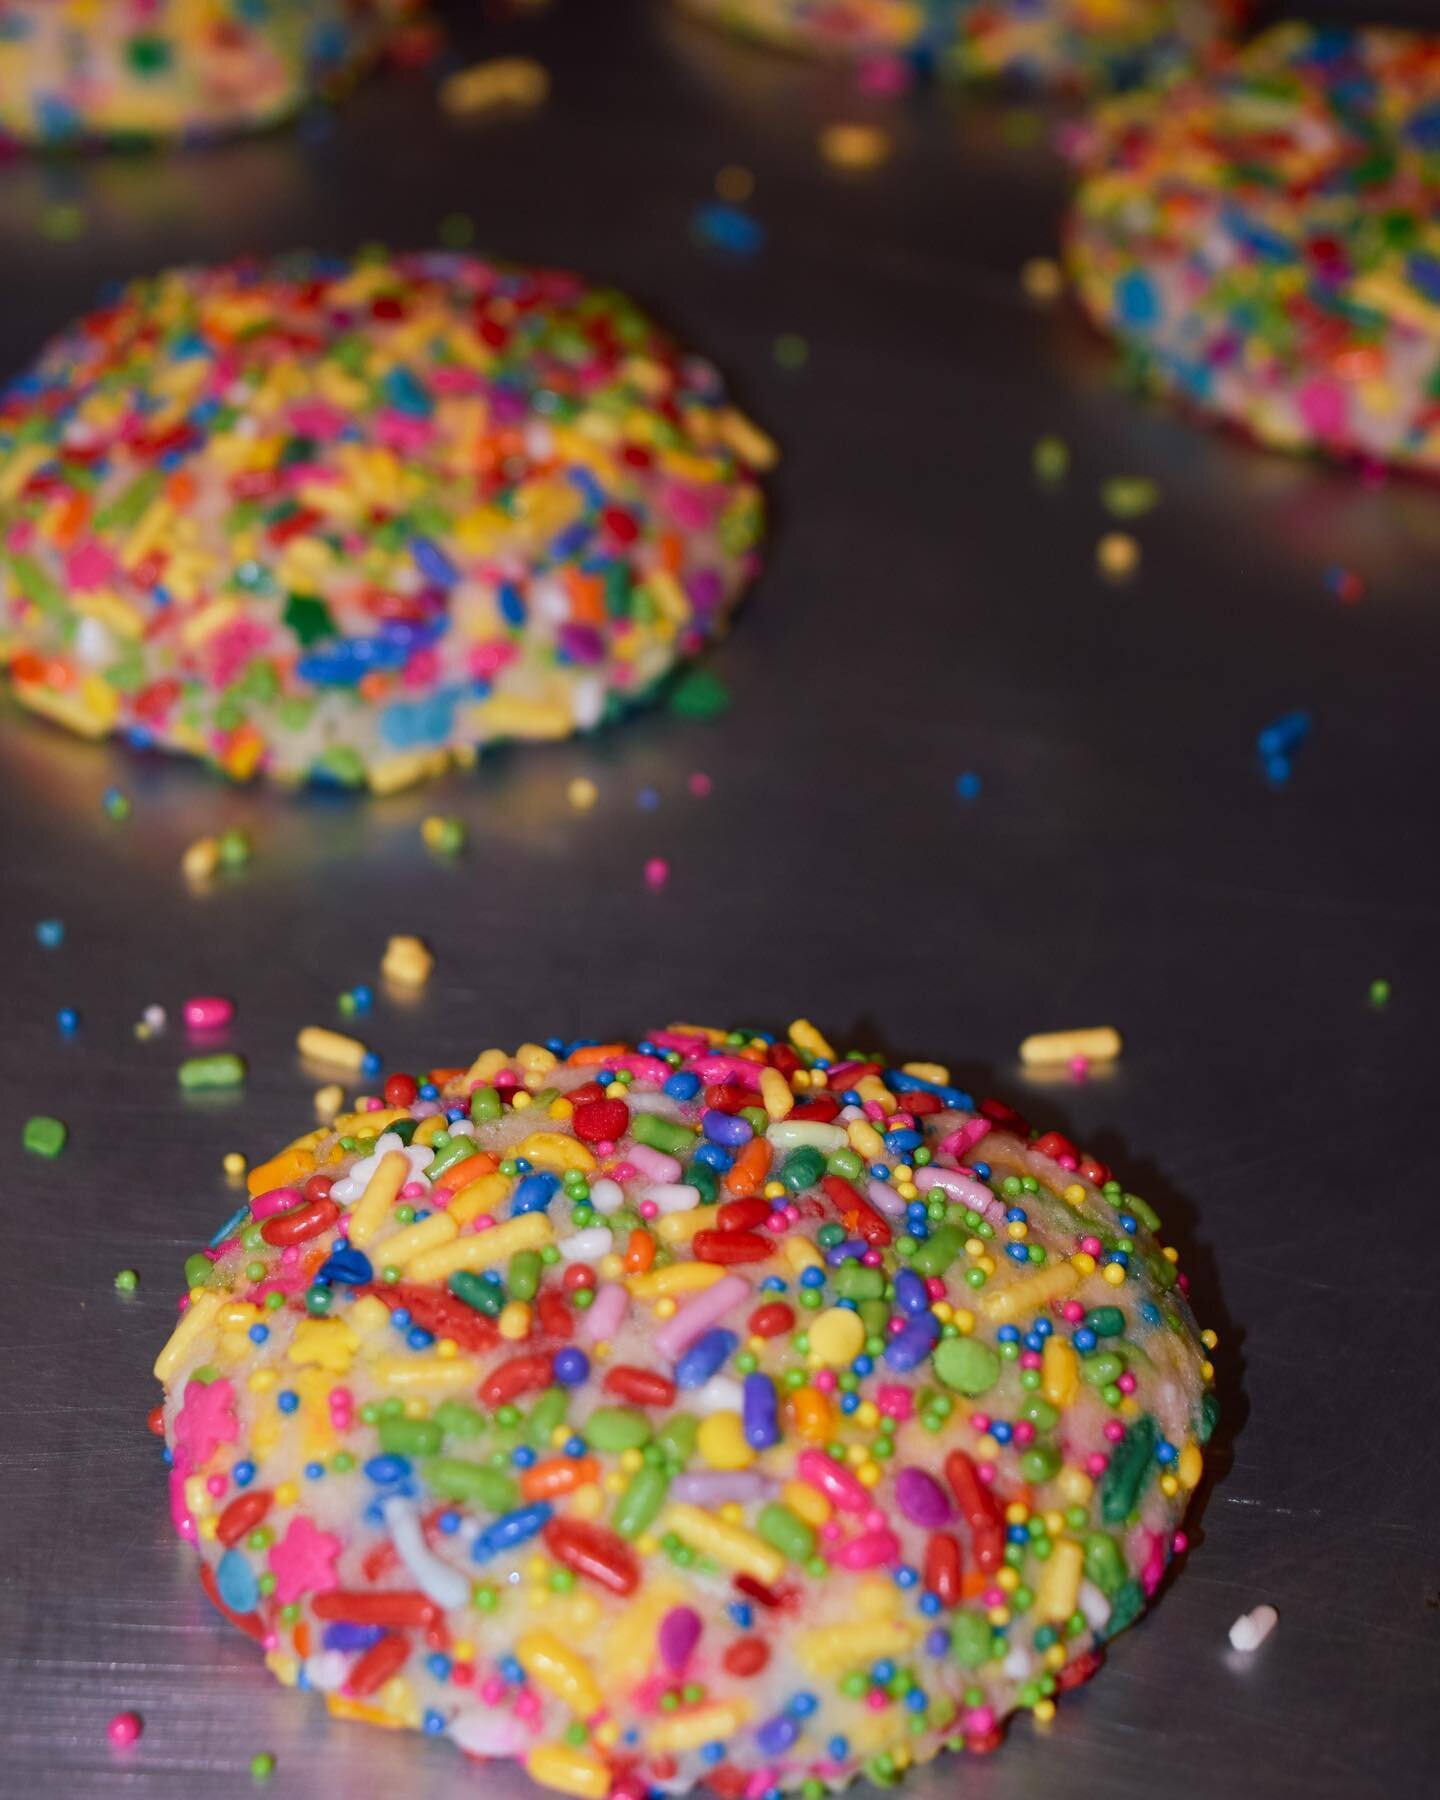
(927, 610)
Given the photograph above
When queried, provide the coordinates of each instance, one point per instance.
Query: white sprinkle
(1251, 1629)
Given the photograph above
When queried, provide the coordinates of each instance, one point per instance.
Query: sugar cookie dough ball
(353, 520)
(74, 70)
(716, 1409)
(1262, 240)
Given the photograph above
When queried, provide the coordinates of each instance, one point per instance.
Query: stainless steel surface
(927, 610)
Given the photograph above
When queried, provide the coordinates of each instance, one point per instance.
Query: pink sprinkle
(217, 1484)
(987, 1473)
(935, 1287)
(832, 1531)
(980, 1421)
(492, 1690)
(1096, 1463)
(1072, 1312)
(657, 873)
(124, 1729)
(648, 1209)
(1024, 1432)
(1030, 1359)
(871, 1259)
(877, 1699)
(414, 1190)
(824, 1381)
(372, 1103)
(1079, 1068)
(485, 1222)
(1091, 1246)
(207, 1012)
(1181, 1543)
(776, 1222)
(1114, 1430)
(1126, 1383)
(700, 784)
(980, 1720)
(895, 1402)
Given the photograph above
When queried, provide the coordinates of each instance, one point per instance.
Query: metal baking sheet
(927, 611)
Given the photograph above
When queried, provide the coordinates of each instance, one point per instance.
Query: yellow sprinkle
(1030, 1293)
(514, 1321)
(560, 1670)
(414, 1240)
(233, 1165)
(373, 1207)
(1059, 1372)
(322, 1045)
(731, 1545)
(582, 793)
(407, 962)
(1058, 1587)
(552, 1149)
(702, 1725)
(776, 1093)
(500, 81)
(721, 1442)
(854, 146)
(483, 1249)
(679, 1278)
(328, 1101)
(804, 1036)
(197, 1318)
(1042, 279)
(1100, 1043)
(1117, 555)
(327, 1343)
(837, 1337)
(441, 1373)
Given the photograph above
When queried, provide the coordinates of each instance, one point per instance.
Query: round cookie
(1262, 240)
(1086, 44)
(353, 520)
(73, 71)
(835, 27)
(1053, 43)
(723, 1410)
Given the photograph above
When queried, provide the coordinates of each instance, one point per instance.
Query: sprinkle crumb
(1251, 1629)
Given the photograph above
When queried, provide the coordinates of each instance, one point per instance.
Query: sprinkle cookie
(351, 521)
(719, 1410)
(73, 71)
(1052, 43)
(1263, 240)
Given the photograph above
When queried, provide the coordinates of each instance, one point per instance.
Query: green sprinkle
(698, 694)
(225, 1070)
(126, 1281)
(1379, 991)
(44, 1136)
(262, 1766)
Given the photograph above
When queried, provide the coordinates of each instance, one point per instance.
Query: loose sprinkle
(855, 146)
(582, 793)
(1042, 279)
(50, 933)
(443, 837)
(1251, 1629)
(657, 873)
(44, 1136)
(126, 1282)
(1099, 1043)
(503, 81)
(125, 1728)
(407, 961)
(1117, 555)
(197, 1074)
